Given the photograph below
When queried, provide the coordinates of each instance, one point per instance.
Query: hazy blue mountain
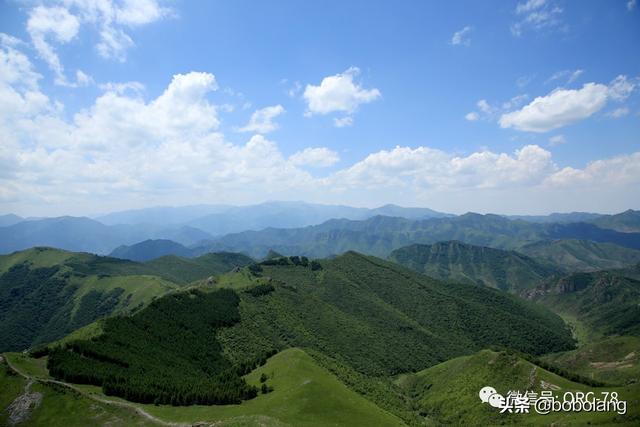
(380, 235)
(558, 217)
(376, 236)
(296, 214)
(151, 249)
(478, 265)
(86, 235)
(627, 221)
(69, 233)
(223, 219)
(9, 219)
(582, 255)
(161, 215)
(586, 231)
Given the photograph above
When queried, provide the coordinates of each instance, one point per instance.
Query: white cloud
(613, 173)
(618, 113)
(462, 37)
(556, 140)
(621, 88)
(126, 151)
(432, 169)
(321, 157)
(472, 116)
(338, 93)
(631, 5)
(60, 22)
(121, 88)
(489, 112)
(537, 15)
(570, 76)
(83, 79)
(341, 122)
(566, 106)
(262, 120)
(484, 106)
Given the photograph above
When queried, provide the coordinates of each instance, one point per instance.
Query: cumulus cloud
(262, 120)
(462, 37)
(321, 157)
(338, 93)
(566, 106)
(125, 150)
(537, 15)
(433, 169)
(620, 171)
(59, 22)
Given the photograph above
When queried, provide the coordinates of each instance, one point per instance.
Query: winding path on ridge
(125, 405)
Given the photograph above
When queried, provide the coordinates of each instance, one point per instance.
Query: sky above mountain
(509, 107)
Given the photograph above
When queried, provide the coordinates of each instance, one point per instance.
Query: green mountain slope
(47, 293)
(478, 265)
(627, 221)
(603, 302)
(183, 270)
(43, 296)
(353, 306)
(380, 235)
(58, 407)
(304, 394)
(448, 393)
(613, 360)
(350, 308)
(582, 255)
(150, 249)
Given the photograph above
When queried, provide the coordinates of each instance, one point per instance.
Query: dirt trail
(138, 410)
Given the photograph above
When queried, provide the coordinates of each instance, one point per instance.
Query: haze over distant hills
(380, 235)
(303, 228)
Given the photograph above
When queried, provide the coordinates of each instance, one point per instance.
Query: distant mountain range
(224, 219)
(380, 235)
(573, 255)
(184, 225)
(302, 228)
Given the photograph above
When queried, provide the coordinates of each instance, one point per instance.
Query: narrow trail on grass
(125, 405)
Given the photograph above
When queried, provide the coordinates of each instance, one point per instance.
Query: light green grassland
(448, 392)
(614, 360)
(92, 330)
(37, 257)
(142, 288)
(61, 407)
(304, 395)
(36, 368)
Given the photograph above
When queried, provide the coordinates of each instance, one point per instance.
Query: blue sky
(511, 107)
